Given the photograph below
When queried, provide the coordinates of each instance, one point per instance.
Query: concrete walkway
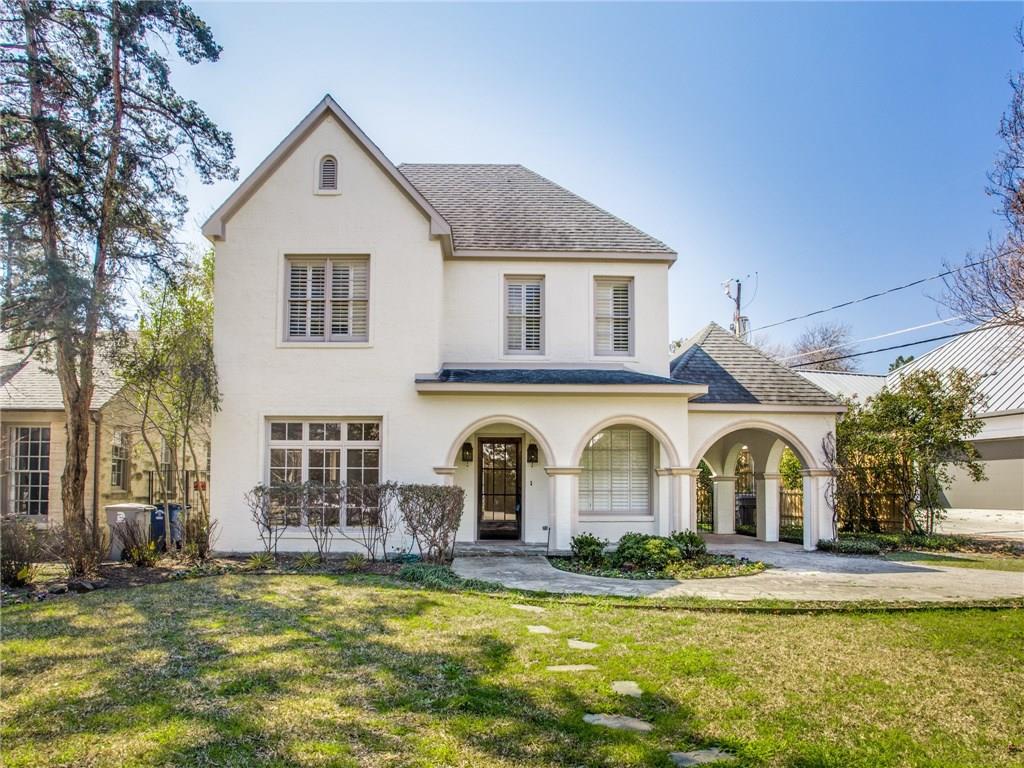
(795, 575)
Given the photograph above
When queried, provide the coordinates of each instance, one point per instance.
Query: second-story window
(613, 316)
(524, 315)
(328, 299)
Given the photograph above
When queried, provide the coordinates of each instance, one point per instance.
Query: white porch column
(687, 517)
(817, 512)
(725, 504)
(767, 486)
(563, 504)
(666, 505)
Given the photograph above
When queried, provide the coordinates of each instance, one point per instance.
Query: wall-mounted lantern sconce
(531, 454)
(467, 452)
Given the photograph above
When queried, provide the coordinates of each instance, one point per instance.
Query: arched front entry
(756, 489)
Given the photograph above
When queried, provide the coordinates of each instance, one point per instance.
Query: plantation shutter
(613, 316)
(616, 476)
(306, 300)
(524, 315)
(350, 299)
(329, 173)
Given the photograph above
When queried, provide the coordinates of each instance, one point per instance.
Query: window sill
(324, 344)
(616, 518)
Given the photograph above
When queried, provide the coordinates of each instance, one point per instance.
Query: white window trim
(595, 275)
(316, 176)
(281, 325)
(11, 473)
(265, 445)
(503, 316)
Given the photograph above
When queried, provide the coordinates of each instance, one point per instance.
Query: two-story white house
(477, 325)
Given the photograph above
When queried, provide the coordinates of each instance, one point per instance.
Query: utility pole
(740, 323)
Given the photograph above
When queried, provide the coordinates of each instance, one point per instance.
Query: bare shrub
(372, 510)
(21, 547)
(79, 547)
(265, 509)
(200, 536)
(432, 514)
(136, 548)
(321, 506)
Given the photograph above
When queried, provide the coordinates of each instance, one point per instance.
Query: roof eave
(215, 227)
(665, 257)
(434, 387)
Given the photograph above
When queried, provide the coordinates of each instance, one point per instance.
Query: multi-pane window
(30, 470)
(329, 452)
(119, 460)
(613, 316)
(328, 179)
(524, 315)
(328, 299)
(617, 471)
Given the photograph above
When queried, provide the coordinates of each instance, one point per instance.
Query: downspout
(97, 419)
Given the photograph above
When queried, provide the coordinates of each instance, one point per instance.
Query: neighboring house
(475, 325)
(995, 354)
(33, 444)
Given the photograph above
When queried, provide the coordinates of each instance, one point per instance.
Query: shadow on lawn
(213, 673)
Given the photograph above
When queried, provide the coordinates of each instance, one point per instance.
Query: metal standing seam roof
(739, 373)
(995, 353)
(546, 376)
(509, 207)
(846, 384)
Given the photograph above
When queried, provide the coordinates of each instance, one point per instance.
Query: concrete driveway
(795, 575)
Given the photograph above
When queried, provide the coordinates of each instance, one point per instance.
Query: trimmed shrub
(588, 548)
(442, 577)
(690, 544)
(643, 552)
(432, 514)
(849, 546)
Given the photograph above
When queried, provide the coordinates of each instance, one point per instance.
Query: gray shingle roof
(509, 207)
(736, 372)
(546, 376)
(32, 385)
(994, 353)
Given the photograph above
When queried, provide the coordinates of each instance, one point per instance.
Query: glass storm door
(500, 504)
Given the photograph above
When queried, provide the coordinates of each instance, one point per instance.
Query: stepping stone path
(581, 645)
(539, 629)
(700, 757)
(627, 688)
(619, 722)
(527, 608)
(572, 668)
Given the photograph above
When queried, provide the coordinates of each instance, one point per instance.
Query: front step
(498, 549)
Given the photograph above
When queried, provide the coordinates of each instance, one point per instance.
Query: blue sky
(833, 149)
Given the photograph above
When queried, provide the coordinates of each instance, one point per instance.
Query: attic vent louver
(328, 174)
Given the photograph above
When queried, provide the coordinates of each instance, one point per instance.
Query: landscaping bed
(876, 543)
(683, 555)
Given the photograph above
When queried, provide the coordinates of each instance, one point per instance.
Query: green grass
(250, 670)
(985, 562)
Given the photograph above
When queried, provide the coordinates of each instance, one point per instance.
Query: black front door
(501, 493)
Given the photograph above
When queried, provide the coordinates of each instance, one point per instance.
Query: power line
(886, 292)
(872, 338)
(888, 349)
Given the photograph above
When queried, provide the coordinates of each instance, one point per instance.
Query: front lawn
(249, 670)
(985, 562)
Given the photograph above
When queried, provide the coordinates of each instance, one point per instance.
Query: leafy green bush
(643, 552)
(441, 577)
(690, 544)
(794, 534)
(588, 548)
(889, 542)
(849, 546)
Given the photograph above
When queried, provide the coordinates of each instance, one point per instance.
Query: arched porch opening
(500, 463)
(755, 474)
